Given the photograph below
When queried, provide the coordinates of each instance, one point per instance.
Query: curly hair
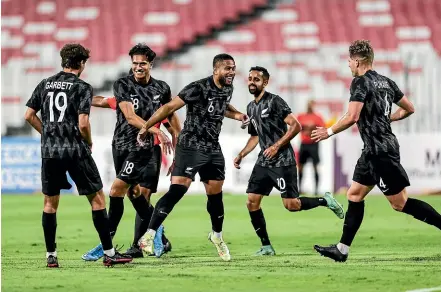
(72, 55)
(363, 50)
(143, 49)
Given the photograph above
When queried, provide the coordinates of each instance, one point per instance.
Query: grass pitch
(392, 252)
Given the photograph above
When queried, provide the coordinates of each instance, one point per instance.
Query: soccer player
(147, 187)
(370, 106)
(276, 164)
(308, 148)
(138, 96)
(198, 149)
(66, 142)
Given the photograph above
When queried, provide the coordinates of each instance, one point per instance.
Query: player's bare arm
(32, 118)
(136, 121)
(405, 109)
(293, 129)
(85, 130)
(249, 147)
(234, 114)
(164, 111)
(100, 101)
(345, 122)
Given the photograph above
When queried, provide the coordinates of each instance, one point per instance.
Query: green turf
(393, 252)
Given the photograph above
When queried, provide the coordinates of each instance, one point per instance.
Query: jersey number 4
(61, 107)
(387, 109)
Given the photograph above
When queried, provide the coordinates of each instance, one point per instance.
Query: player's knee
(354, 196)
(292, 205)
(398, 205)
(97, 200)
(253, 205)
(51, 203)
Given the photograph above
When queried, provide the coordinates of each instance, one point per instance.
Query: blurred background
(303, 44)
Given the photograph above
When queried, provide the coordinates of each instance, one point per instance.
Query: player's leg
(86, 176)
(303, 158)
(187, 164)
(420, 210)
(315, 162)
(393, 183)
(212, 174)
(102, 226)
(285, 180)
(363, 182)
(53, 179)
(259, 185)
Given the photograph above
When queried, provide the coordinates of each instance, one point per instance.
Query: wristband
(330, 132)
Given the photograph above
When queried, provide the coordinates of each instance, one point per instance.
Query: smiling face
(140, 66)
(224, 72)
(256, 82)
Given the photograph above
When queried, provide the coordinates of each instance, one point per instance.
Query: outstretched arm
(405, 109)
(100, 101)
(345, 122)
(164, 111)
(233, 113)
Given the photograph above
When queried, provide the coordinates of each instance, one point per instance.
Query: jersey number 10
(60, 107)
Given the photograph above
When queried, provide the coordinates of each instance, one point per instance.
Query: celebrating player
(138, 97)
(198, 149)
(276, 165)
(64, 101)
(147, 187)
(370, 106)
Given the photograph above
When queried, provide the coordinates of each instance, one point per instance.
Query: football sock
(311, 203)
(101, 222)
(166, 204)
(300, 181)
(49, 222)
(317, 179)
(116, 210)
(259, 224)
(353, 219)
(141, 226)
(215, 207)
(422, 211)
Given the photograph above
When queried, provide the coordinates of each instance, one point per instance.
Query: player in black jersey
(64, 101)
(198, 149)
(276, 165)
(370, 106)
(138, 96)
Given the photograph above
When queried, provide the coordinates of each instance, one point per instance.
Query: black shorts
(209, 165)
(385, 171)
(284, 178)
(132, 167)
(153, 170)
(308, 151)
(83, 172)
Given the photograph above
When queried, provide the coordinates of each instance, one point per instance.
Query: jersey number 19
(61, 107)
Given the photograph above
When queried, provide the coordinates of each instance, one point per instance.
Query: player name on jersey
(58, 85)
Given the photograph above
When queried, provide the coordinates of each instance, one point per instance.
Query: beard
(223, 81)
(254, 90)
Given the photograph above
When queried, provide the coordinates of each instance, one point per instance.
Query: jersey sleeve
(398, 94)
(359, 90)
(86, 99)
(191, 93)
(282, 109)
(35, 102)
(167, 96)
(112, 102)
(251, 129)
(121, 91)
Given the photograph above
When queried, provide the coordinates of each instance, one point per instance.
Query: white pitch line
(426, 289)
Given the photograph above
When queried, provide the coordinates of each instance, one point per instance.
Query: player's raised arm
(405, 109)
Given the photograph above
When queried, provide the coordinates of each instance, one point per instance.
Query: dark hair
(363, 50)
(143, 49)
(221, 58)
(265, 72)
(72, 55)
